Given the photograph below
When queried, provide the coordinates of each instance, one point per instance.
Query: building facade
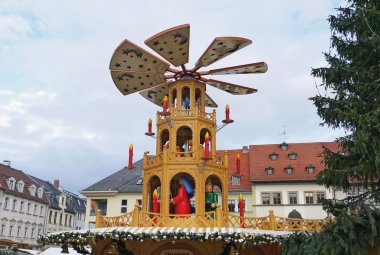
(61, 213)
(116, 194)
(23, 207)
(278, 177)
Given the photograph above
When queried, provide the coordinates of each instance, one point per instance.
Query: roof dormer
(292, 155)
(269, 170)
(32, 190)
(284, 146)
(289, 169)
(20, 186)
(310, 168)
(11, 183)
(40, 192)
(273, 156)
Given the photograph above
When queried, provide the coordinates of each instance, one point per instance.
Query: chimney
(56, 184)
(7, 163)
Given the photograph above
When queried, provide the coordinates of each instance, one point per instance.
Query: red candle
(165, 104)
(149, 126)
(155, 205)
(227, 113)
(130, 156)
(238, 164)
(241, 210)
(207, 145)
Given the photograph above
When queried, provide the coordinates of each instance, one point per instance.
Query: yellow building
(115, 194)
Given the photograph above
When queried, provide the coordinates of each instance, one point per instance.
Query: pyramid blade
(130, 82)
(132, 58)
(210, 102)
(231, 88)
(259, 67)
(172, 44)
(156, 94)
(221, 47)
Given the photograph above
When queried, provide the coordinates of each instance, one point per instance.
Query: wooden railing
(187, 220)
(136, 218)
(124, 220)
(193, 112)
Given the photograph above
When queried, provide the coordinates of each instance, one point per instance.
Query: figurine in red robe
(181, 201)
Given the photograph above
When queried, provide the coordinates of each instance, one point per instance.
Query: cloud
(62, 117)
(14, 27)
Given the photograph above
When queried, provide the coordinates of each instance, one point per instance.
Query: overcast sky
(61, 117)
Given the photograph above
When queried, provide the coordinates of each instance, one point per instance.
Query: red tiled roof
(307, 153)
(6, 172)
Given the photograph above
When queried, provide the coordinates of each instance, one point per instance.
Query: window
(6, 202)
(39, 231)
(320, 196)
(231, 205)
(50, 215)
(276, 198)
(269, 170)
(70, 221)
(235, 180)
(292, 155)
(14, 205)
(292, 197)
(18, 231)
(310, 169)
(28, 208)
(10, 230)
(100, 204)
(309, 198)
(60, 219)
(21, 206)
(55, 217)
(265, 198)
(2, 229)
(32, 190)
(273, 156)
(124, 206)
(32, 234)
(41, 210)
(289, 169)
(20, 186)
(66, 220)
(284, 146)
(11, 183)
(26, 232)
(35, 210)
(40, 192)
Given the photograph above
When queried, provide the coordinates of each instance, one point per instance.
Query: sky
(61, 116)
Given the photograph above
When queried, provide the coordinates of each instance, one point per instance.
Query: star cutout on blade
(117, 65)
(156, 43)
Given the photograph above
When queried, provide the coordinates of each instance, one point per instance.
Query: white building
(23, 207)
(283, 178)
(66, 210)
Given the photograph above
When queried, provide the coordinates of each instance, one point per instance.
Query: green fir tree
(350, 99)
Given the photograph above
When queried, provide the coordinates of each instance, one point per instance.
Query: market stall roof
(58, 250)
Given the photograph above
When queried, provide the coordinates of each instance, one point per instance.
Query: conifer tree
(350, 100)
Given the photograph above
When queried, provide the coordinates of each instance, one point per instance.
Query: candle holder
(150, 134)
(229, 121)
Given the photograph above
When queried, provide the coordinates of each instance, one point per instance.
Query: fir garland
(81, 240)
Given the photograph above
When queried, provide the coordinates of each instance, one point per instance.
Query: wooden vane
(172, 44)
(134, 69)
